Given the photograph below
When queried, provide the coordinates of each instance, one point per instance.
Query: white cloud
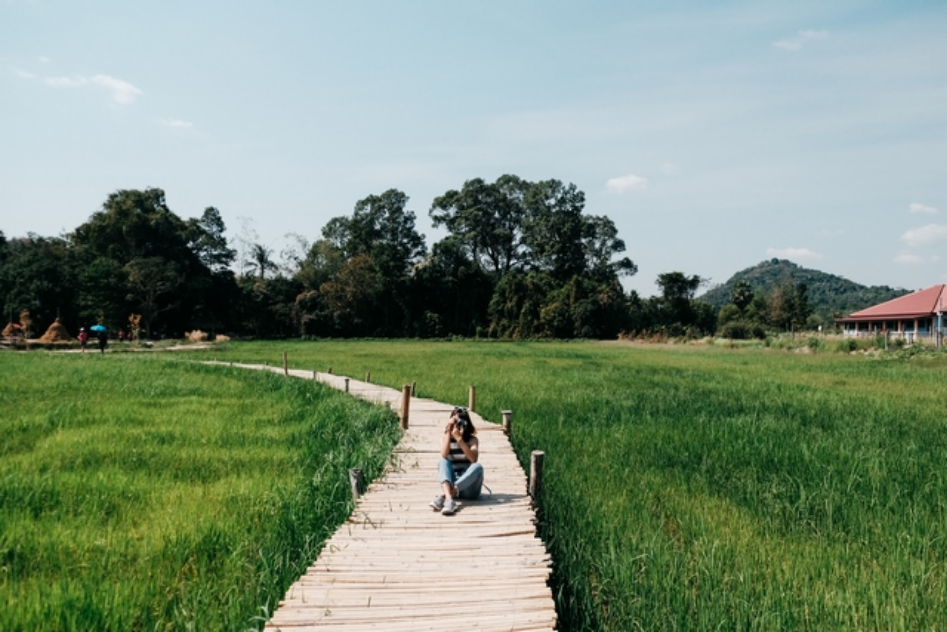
(909, 259)
(22, 73)
(796, 254)
(801, 39)
(922, 209)
(176, 123)
(44, 59)
(925, 235)
(630, 182)
(66, 82)
(120, 92)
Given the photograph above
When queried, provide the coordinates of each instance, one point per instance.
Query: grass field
(686, 488)
(698, 489)
(141, 492)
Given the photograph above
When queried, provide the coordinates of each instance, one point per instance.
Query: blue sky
(715, 135)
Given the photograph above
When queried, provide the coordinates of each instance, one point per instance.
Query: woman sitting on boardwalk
(460, 474)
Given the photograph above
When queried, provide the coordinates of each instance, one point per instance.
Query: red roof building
(919, 314)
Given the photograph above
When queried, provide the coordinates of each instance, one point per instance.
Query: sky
(715, 135)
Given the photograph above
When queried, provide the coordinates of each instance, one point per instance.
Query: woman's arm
(471, 448)
(445, 439)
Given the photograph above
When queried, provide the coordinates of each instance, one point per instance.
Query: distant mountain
(828, 294)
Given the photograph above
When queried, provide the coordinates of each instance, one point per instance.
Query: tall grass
(698, 489)
(139, 493)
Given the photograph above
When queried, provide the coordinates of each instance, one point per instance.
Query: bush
(846, 345)
(742, 330)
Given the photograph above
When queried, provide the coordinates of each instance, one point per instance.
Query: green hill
(829, 295)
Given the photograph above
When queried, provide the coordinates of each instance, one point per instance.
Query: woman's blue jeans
(468, 484)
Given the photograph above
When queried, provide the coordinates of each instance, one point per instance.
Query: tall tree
(38, 274)
(261, 261)
(350, 296)
(153, 283)
(554, 229)
(207, 241)
(382, 229)
(600, 244)
(741, 295)
(137, 226)
(675, 310)
(486, 220)
(449, 292)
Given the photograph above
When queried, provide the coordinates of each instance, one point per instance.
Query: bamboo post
(536, 475)
(285, 364)
(405, 405)
(472, 400)
(507, 422)
(357, 481)
(368, 377)
(346, 385)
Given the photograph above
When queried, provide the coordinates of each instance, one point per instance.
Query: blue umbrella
(97, 328)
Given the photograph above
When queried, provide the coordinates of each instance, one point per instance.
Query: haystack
(56, 333)
(10, 331)
(196, 336)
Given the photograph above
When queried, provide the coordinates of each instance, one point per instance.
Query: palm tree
(260, 260)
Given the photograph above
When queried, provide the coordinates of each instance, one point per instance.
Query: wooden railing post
(405, 405)
(507, 422)
(357, 481)
(314, 375)
(368, 377)
(472, 399)
(285, 364)
(346, 385)
(536, 476)
(414, 386)
(329, 371)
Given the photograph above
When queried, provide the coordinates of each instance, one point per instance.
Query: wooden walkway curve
(399, 566)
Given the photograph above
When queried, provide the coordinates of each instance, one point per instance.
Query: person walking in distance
(459, 473)
(83, 338)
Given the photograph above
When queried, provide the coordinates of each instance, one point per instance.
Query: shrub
(846, 345)
(742, 330)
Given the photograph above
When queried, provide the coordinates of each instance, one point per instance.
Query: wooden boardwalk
(399, 566)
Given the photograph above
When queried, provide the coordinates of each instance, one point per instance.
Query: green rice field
(694, 488)
(140, 492)
(686, 488)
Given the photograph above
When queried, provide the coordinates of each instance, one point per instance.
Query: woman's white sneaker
(449, 507)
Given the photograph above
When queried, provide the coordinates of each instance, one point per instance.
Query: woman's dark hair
(466, 425)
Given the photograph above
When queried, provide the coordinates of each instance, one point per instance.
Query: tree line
(520, 259)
